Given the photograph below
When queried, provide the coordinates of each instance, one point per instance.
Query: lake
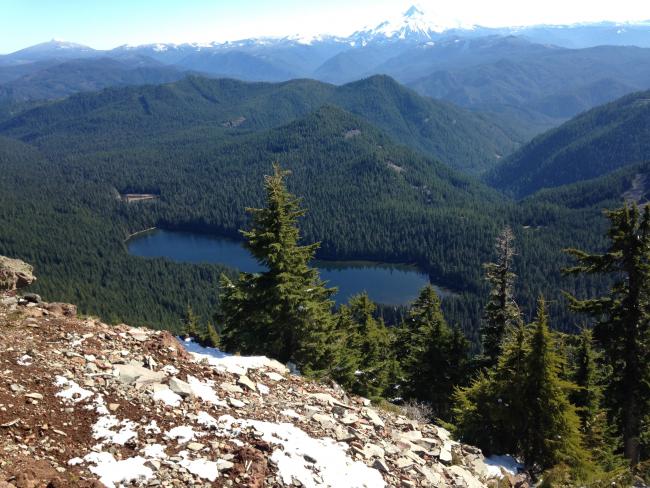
(389, 284)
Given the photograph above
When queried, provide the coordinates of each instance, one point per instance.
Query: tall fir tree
(501, 311)
(552, 431)
(370, 342)
(522, 405)
(285, 311)
(433, 356)
(622, 319)
(588, 395)
(510, 376)
(491, 411)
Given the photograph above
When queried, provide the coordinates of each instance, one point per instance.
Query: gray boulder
(180, 387)
(134, 372)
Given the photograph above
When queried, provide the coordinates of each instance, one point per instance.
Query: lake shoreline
(391, 284)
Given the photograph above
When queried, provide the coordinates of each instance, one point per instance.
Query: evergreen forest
(540, 349)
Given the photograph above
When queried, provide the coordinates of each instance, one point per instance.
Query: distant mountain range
(532, 78)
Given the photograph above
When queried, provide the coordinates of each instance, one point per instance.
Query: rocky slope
(86, 404)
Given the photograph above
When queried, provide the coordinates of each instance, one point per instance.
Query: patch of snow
(100, 405)
(152, 428)
(155, 451)
(204, 418)
(290, 413)
(222, 361)
(103, 429)
(195, 347)
(263, 389)
(204, 391)
(333, 467)
(508, 463)
(75, 461)
(168, 397)
(182, 434)
(112, 472)
(200, 467)
(74, 392)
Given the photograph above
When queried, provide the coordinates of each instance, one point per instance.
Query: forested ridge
(592, 144)
(368, 198)
(462, 139)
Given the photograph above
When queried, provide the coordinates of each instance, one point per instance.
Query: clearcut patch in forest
(138, 197)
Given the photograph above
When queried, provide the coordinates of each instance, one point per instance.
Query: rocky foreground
(86, 404)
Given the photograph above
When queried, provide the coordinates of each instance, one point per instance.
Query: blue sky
(104, 24)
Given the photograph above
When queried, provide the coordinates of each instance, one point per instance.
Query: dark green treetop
(285, 311)
(622, 319)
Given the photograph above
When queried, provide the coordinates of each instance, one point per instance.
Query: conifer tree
(347, 340)
(588, 399)
(478, 414)
(588, 395)
(459, 353)
(211, 336)
(371, 341)
(552, 433)
(510, 376)
(285, 311)
(190, 324)
(521, 405)
(501, 311)
(622, 319)
(433, 360)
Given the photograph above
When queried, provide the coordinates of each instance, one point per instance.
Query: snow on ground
(103, 430)
(183, 433)
(168, 397)
(508, 463)
(204, 391)
(197, 348)
(315, 462)
(155, 451)
(204, 418)
(239, 364)
(200, 467)
(222, 361)
(152, 428)
(74, 392)
(112, 472)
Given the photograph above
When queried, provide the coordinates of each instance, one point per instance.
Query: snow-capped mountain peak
(414, 24)
(413, 11)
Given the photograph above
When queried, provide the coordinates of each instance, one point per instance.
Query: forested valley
(384, 175)
(368, 197)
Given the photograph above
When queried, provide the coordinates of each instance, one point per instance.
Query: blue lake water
(389, 284)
